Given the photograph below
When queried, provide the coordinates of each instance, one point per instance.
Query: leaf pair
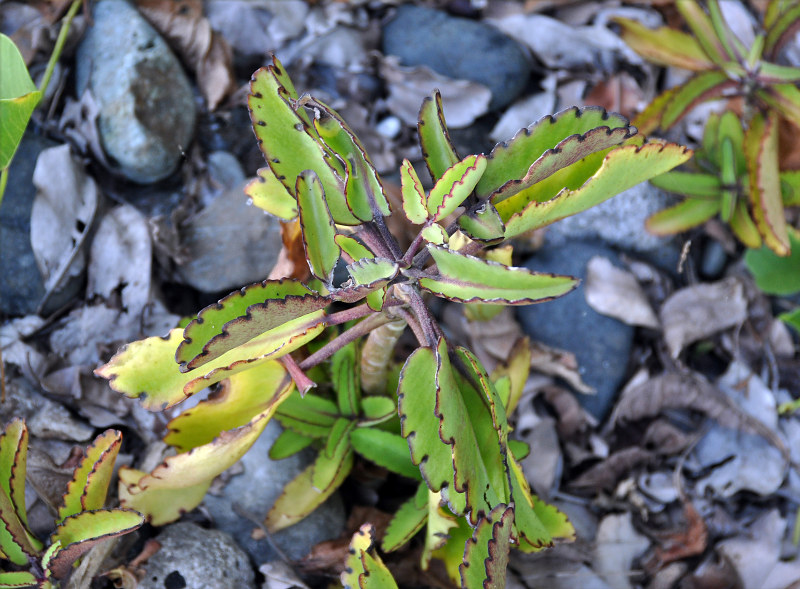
(457, 431)
(82, 520)
(210, 438)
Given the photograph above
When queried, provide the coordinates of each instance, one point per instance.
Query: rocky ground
(652, 406)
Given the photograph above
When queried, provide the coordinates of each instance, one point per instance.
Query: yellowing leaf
(159, 506)
(364, 569)
(413, 194)
(270, 194)
(664, 46)
(454, 186)
(89, 485)
(147, 368)
(437, 148)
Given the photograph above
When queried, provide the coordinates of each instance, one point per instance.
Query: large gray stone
(192, 557)
(229, 243)
(458, 48)
(147, 110)
(602, 345)
(257, 489)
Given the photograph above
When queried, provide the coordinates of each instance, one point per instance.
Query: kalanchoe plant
(728, 173)
(81, 523)
(254, 341)
(723, 67)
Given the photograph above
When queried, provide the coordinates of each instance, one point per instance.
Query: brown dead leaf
(571, 416)
(616, 293)
(677, 545)
(665, 438)
(182, 23)
(292, 258)
(619, 93)
(605, 474)
(701, 310)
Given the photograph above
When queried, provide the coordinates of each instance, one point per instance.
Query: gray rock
(458, 48)
(257, 489)
(192, 557)
(602, 345)
(230, 243)
(21, 283)
(147, 110)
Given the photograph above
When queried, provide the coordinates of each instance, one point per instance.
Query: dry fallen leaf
(463, 101)
(605, 474)
(614, 292)
(182, 23)
(690, 541)
(701, 310)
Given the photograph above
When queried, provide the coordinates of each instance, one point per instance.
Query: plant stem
(59, 46)
(299, 377)
(345, 338)
(376, 354)
(348, 315)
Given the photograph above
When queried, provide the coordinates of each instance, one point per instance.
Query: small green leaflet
(18, 98)
(466, 278)
(317, 226)
(363, 567)
(486, 553)
(270, 194)
(437, 148)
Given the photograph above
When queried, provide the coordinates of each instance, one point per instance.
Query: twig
(345, 338)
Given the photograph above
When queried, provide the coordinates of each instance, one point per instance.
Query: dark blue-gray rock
(146, 104)
(192, 557)
(620, 223)
(714, 260)
(229, 243)
(21, 282)
(458, 48)
(257, 489)
(602, 345)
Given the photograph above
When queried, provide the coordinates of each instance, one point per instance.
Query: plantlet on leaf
(725, 68)
(729, 173)
(82, 521)
(258, 343)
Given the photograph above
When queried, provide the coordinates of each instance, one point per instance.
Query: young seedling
(81, 523)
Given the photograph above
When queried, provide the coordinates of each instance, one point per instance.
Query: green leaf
(407, 521)
(783, 98)
(346, 380)
(466, 278)
(621, 168)
(270, 194)
(421, 380)
(519, 449)
(146, 369)
(373, 272)
(352, 249)
(778, 275)
(771, 73)
(310, 416)
(243, 315)
(18, 99)
(384, 449)
(440, 524)
(517, 368)
(744, 227)
(455, 185)
(510, 161)
(486, 553)
(317, 226)
(312, 487)
(791, 318)
(288, 444)
(781, 21)
(700, 88)
(413, 194)
(682, 216)
(289, 143)
(761, 151)
(437, 149)
(79, 533)
(18, 580)
(14, 464)
(89, 485)
(688, 184)
(483, 224)
(363, 567)
(179, 483)
(435, 234)
(365, 195)
(790, 187)
(376, 409)
(703, 29)
(664, 46)
(237, 400)
(649, 119)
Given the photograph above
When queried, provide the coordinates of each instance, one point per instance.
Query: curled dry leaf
(701, 310)
(614, 292)
(605, 474)
(63, 211)
(182, 23)
(463, 101)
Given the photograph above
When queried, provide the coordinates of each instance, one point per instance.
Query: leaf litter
(712, 362)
